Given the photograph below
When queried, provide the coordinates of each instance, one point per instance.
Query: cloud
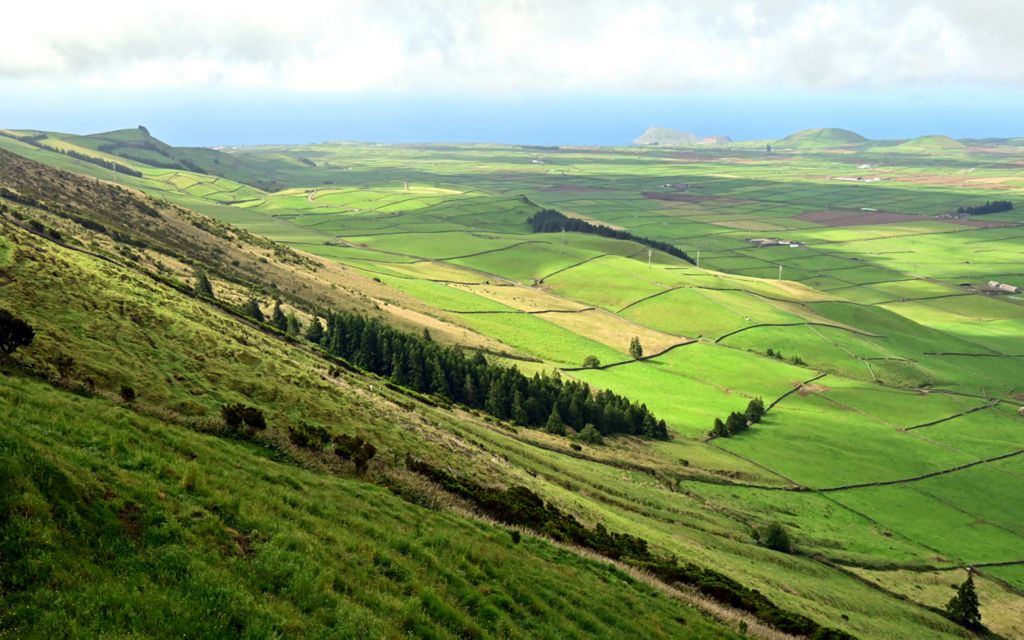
(516, 45)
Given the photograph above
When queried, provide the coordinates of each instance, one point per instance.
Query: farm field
(857, 311)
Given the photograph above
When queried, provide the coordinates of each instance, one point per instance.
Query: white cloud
(516, 45)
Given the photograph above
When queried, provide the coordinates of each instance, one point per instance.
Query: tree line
(417, 362)
(989, 207)
(550, 220)
(738, 422)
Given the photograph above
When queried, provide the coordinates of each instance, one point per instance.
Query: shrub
(241, 420)
(591, 435)
(308, 436)
(14, 333)
(591, 362)
(356, 449)
(127, 394)
(775, 537)
(65, 366)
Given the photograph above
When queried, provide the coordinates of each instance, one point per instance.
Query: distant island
(661, 136)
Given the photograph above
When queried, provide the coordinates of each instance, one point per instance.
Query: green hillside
(821, 138)
(932, 143)
(891, 386)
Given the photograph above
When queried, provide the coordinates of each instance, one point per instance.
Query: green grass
(880, 279)
(122, 524)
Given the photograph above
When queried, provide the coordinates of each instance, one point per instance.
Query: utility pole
(780, 272)
(698, 258)
(648, 258)
(563, 237)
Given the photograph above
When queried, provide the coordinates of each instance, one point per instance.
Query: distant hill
(666, 137)
(138, 145)
(932, 143)
(821, 138)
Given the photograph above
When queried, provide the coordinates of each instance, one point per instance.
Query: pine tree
(636, 351)
(469, 392)
(315, 331)
(963, 607)
(277, 318)
(554, 424)
(252, 309)
(519, 414)
(755, 411)
(294, 325)
(735, 423)
(438, 380)
(203, 286)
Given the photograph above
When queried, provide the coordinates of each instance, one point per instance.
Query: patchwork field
(856, 310)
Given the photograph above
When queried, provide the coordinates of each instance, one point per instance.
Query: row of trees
(738, 422)
(550, 221)
(417, 362)
(989, 207)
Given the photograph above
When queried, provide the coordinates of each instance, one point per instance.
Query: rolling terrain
(834, 281)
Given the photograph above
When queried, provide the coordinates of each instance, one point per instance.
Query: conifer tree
(277, 318)
(252, 309)
(554, 424)
(315, 331)
(294, 325)
(519, 414)
(636, 351)
(755, 410)
(963, 607)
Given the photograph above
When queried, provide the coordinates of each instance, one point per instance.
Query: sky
(521, 71)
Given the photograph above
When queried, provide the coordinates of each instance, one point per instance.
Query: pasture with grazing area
(833, 279)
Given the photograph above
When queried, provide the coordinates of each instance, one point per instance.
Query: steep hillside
(139, 501)
(104, 301)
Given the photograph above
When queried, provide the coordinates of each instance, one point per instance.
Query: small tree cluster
(356, 449)
(242, 420)
(738, 422)
(591, 362)
(988, 207)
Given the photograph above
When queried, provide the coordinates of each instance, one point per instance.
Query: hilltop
(821, 138)
(931, 143)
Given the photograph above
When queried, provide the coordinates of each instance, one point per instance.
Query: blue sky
(521, 71)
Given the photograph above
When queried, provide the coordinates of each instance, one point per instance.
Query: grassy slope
(740, 557)
(116, 523)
